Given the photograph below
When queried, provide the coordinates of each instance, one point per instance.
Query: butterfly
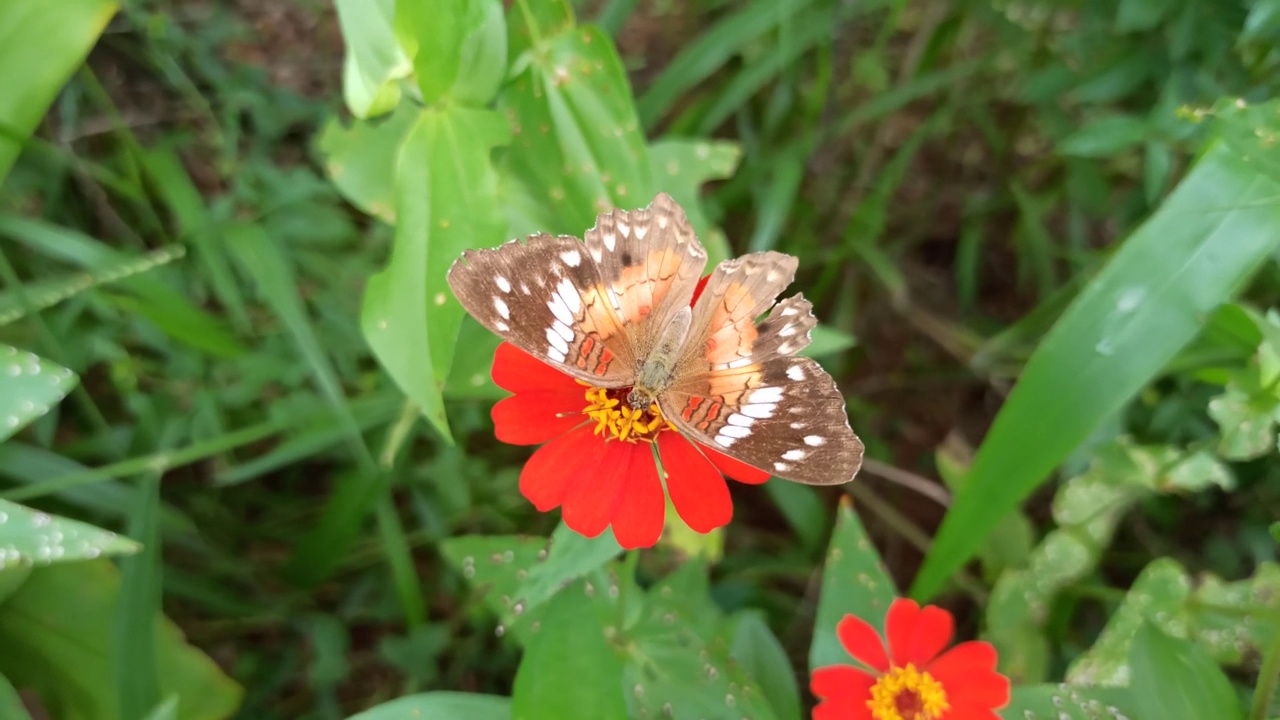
(615, 310)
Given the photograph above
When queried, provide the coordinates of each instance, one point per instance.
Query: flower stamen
(905, 693)
(618, 421)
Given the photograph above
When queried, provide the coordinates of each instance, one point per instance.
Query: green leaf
(1173, 679)
(361, 159)
(56, 632)
(471, 375)
(826, 340)
(1143, 306)
(1246, 423)
(496, 565)
(680, 663)
(40, 46)
(29, 387)
(166, 710)
(51, 291)
(680, 168)
(571, 556)
(578, 150)
(1139, 15)
(1105, 136)
(441, 706)
(11, 578)
(854, 582)
(373, 63)
(757, 650)
(1067, 702)
(458, 48)
(11, 707)
(446, 202)
(569, 670)
(31, 537)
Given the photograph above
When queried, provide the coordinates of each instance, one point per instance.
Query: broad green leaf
(361, 159)
(11, 707)
(680, 663)
(578, 150)
(166, 710)
(134, 657)
(471, 376)
(680, 168)
(1067, 702)
(29, 387)
(826, 340)
(854, 582)
(41, 44)
(1142, 307)
(757, 650)
(458, 48)
(569, 671)
(496, 566)
(441, 706)
(373, 63)
(1173, 679)
(446, 202)
(532, 23)
(31, 537)
(11, 578)
(571, 556)
(1105, 136)
(56, 631)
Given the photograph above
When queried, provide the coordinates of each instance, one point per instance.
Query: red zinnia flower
(914, 680)
(598, 463)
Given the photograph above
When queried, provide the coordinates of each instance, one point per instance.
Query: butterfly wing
(545, 295)
(739, 388)
(650, 261)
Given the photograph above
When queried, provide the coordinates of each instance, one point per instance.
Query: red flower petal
(515, 370)
(862, 642)
(899, 623)
(545, 479)
(735, 469)
(594, 495)
(844, 692)
(537, 416)
(638, 519)
(930, 634)
(968, 673)
(697, 489)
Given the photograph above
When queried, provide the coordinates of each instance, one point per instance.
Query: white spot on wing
(735, 431)
(503, 284)
(814, 440)
(560, 309)
(610, 240)
(790, 310)
(563, 331)
(502, 327)
(740, 419)
(558, 343)
(765, 395)
(724, 440)
(740, 362)
(502, 308)
(797, 425)
(781, 467)
(795, 372)
(794, 455)
(570, 295)
(759, 410)
(555, 354)
(787, 330)
(572, 258)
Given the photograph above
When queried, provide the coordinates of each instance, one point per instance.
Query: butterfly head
(640, 398)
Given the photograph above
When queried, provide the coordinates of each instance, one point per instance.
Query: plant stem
(1268, 680)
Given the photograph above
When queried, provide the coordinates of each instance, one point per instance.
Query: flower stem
(1268, 680)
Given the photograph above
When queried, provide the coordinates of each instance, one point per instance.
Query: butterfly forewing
(650, 261)
(545, 296)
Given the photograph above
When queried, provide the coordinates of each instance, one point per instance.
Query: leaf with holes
(29, 387)
(1068, 702)
(30, 537)
(446, 202)
(854, 582)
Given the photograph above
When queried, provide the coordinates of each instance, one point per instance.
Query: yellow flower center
(905, 693)
(618, 421)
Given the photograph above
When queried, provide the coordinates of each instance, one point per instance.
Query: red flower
(914, 680)
(598, 463)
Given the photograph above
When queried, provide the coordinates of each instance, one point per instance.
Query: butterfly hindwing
(783, 415)
(545, 296)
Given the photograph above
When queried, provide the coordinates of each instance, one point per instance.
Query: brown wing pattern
(650, 261)
(545, 296)
(783, 415)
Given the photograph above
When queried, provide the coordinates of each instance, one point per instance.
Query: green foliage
(1045, 209)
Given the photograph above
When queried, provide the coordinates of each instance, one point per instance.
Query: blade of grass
(1149, 301)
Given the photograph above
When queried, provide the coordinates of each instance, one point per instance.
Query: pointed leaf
(1151, 299)
(373, 63)
(31, 537)
(29, 387)
(446, 202)
(1173, 679)
(854, 582)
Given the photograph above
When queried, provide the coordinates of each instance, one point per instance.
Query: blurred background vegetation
(951, 175)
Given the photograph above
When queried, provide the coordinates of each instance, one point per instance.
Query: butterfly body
(616, 311)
